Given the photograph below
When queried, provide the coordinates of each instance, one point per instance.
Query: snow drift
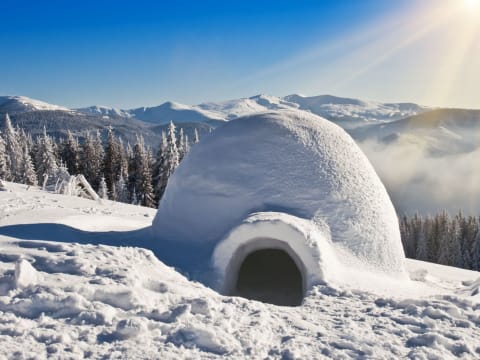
(279, 180)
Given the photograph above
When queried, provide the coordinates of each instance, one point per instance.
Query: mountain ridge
(348, 111)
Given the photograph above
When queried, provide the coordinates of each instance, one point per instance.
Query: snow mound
(320, 199)
(25, 274)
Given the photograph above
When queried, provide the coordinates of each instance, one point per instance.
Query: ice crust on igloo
(298, 171)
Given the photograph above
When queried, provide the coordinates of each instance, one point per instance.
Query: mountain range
(438, 130)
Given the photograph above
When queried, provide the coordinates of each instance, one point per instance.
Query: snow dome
(271, 204)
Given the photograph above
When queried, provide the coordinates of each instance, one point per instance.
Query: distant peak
(18, 103)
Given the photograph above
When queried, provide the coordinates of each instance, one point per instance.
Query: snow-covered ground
(64, 293)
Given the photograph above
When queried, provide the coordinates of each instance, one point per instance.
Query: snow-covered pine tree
(29, 176)
(476, 250)
(102, 189)
(134, 197)
(435, 233)
(129, 151)
(123, 160)
(186, 146)
(143, 175)
(196, 138)
(62, 179)
(45, 161)
(70, 154)
(112, 162)
(408, 237)
(169, 161)
(4, 171)
(122, 194)
(468, 228)
(421, 230)
(13, 151)
(149, 193)
(449, 241)
(181, 145)
(92, 160)
(157, 166)
(87, 155)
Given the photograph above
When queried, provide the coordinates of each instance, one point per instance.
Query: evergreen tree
(469, 228)
(196, 138)
(70, 154)
(134, 197)
(121, 189)
(4, 171)
(129, 151)
(13, 150)
(407, 236)
(45, 161)
(157, 166)
(112, 162)
(181, 145)
(143, 175)
(102, 189)
(186, 146)
(442, 239)
(92, 160)
(29, 176)
(449, 252)
(421, 229)
(168, 162)
(476, 252)
(123, 160)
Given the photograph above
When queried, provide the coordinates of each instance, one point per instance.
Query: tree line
(443, 239)
(116, 171)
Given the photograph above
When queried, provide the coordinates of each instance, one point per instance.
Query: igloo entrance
(270, 276)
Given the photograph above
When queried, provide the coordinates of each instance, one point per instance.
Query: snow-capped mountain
(104, 111)
(439, 130)
(233, 109)
(179, 113)
(347, 112)
(20, 104)
(352, 112)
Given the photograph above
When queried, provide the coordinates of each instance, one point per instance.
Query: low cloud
(418, 181)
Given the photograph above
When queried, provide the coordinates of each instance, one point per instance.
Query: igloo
(271, 204)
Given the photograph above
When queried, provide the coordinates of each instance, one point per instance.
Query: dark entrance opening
(270, 276)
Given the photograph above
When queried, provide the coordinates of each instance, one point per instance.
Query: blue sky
(136, 53)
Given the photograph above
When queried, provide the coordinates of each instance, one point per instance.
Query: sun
(472, 4)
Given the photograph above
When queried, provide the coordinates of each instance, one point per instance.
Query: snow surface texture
(96, 301)
(286, 162)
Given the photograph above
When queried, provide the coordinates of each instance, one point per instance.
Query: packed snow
(290, 168)
(70, 288)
